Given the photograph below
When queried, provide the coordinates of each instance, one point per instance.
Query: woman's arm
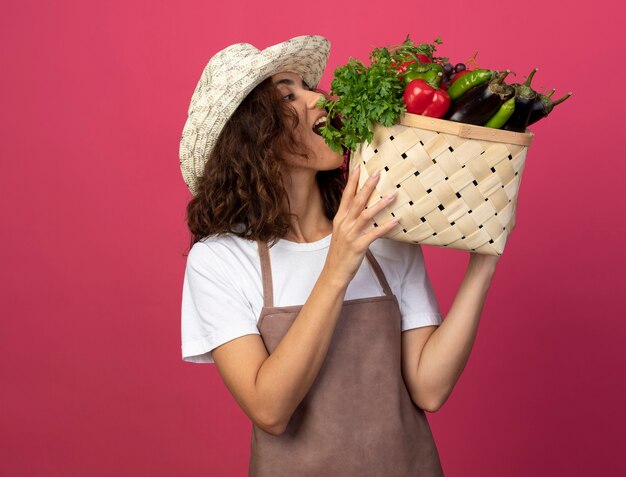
(434, 358)
(269, 388)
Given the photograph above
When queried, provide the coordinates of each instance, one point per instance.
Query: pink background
(95, 96)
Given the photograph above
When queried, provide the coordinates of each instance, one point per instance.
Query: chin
(339, 160)
(326, 155)
(321, 156)
(329, 161)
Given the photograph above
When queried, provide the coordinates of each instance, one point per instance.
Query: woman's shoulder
(228, 240)
(223, 248)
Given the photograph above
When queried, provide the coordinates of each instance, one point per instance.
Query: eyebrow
(290, 82)
(285, 81)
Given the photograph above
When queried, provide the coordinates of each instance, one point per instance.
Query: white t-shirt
(223, 289)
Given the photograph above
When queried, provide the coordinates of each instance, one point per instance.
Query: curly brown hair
(241, 191)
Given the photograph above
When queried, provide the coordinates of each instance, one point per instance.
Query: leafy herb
(408, 51)
(366, 95)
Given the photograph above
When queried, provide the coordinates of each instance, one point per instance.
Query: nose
(314, 97)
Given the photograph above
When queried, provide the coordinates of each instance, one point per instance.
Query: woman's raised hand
(351, 236)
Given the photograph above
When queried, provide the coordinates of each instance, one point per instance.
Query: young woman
(328, 337)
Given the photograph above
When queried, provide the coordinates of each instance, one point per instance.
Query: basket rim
(469, 131)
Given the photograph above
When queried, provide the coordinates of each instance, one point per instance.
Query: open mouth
(318, 124)
(335, 122)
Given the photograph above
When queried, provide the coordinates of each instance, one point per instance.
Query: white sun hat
(228, 78)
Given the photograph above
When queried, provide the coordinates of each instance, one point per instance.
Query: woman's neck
(308, 222)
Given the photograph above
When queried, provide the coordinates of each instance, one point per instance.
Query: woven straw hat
(228, 78)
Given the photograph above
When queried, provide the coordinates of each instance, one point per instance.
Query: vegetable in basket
(421, 98)
(502, 116)
(458, 76)
(365, 95)
(524, 99)
(432, 73)
(456, 72)
(481, 103)
(543, 106)
(410, 78)
(469, 80)
(420, 59)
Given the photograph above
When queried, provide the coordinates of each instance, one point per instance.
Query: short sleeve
(214, 308)
(418, 302)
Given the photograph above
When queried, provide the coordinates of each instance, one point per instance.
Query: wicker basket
(457, 183)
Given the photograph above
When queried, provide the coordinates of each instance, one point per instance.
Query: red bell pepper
(421, 98)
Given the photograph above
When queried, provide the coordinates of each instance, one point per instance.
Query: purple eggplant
(524, 99)
(543, 105)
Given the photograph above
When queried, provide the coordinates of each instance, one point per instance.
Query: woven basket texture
(455, 190)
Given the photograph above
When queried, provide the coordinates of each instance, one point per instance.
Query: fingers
(359, 201)
(349, 191)
(380, 231)
(354, 218)
(368, 214)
